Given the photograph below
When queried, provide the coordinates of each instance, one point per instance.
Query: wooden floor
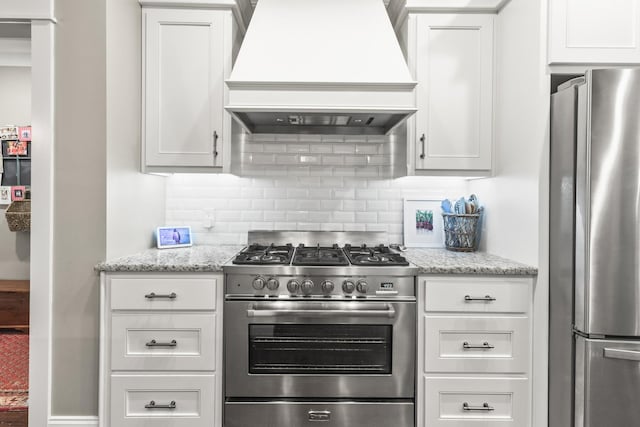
(14, 313)
(14, 419)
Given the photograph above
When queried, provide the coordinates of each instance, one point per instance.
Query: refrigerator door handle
(617, 353)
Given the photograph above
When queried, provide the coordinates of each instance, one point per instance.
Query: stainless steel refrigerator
(594, 321)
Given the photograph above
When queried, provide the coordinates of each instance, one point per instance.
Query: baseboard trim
(73, 421)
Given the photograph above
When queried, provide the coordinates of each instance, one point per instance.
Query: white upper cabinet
(186, 58)
(594, 31)
(453, 60)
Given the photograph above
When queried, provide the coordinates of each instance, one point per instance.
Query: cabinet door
(454, 69)
(594, 31)
(183, 69)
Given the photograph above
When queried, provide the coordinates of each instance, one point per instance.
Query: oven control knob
(327, 286)
(307, 287)
(362, 286)
(272, 284)
(293, 286)
(348, 286)
(258, 283)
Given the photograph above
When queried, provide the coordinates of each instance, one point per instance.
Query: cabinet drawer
(163, 342)
(476, 344)
(172, 293)
(479, 295)
(477, 402)
(180, 400)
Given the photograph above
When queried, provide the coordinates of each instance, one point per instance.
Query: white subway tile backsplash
(320, 148)
(310, 160)
(344, 171)
(343, 217)
(344, 193)
(366, 194)
(366, 217)
(332, 159)
(366, 149)
(309, 138)
(250, 215)
(332, 138)
(296, 216)
(344, 148)
(286, 205)
(331, 205)
(378, 205)
(275, 216)
(308, 205)
(300, 182)
(308, 226)
(297, 193)
(287, 159)
(297, 148)
(355, 227)
(275, 148)
(355, 160)
(354, 205)
(262, 159)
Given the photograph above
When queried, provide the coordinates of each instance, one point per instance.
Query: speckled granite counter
(193, 259)
(211, 258)
(442, 261)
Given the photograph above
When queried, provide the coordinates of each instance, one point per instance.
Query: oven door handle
(254, 311)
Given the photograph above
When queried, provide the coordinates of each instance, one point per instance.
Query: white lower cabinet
(162, 400)
(161, 350)
(474, 351)
(477, 402)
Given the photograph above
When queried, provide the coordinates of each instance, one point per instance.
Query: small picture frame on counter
(423, 226)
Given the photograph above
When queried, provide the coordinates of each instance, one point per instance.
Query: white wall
(15, 109)
(516, 199)
(302, 182)
(79, 228)
(135, 202)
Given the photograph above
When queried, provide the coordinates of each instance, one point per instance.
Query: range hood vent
(320, 66)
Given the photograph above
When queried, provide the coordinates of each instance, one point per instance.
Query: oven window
(320, 349)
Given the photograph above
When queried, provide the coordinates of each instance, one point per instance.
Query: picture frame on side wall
(5, 195)
(423, 225)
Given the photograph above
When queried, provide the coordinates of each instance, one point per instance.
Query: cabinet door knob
(215, 144)
(422, 139)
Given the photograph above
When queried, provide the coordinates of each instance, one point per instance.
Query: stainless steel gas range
(319, 329)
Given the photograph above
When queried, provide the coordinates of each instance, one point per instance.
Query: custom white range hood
(320, 66)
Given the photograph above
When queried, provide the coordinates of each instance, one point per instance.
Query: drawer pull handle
(153, 405)
(485, 407)
(486, 298)
(154, 343)
(153, 295)
(485, 346)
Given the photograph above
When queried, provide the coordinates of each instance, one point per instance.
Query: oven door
(313, 349)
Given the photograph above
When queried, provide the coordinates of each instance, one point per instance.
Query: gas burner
(373, 256)
(319, 255)
(261, 255)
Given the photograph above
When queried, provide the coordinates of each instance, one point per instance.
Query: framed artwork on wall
(423, 226)
(5, 195)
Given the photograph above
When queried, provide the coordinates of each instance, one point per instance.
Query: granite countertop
(192, 259)
(442, 261)
(211, 258)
